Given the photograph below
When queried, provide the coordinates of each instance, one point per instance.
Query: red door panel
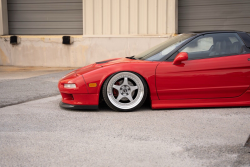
(219, 77)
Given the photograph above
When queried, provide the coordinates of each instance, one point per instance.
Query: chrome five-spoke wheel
(124, 91)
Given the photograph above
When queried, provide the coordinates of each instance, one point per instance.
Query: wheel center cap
(125, 90)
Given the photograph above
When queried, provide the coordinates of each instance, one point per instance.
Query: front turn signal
(92, 85)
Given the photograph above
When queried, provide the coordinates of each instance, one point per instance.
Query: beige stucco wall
(50, 52)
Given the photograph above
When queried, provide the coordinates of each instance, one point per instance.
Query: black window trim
(218, 56)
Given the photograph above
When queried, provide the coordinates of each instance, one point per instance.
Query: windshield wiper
(131, 57)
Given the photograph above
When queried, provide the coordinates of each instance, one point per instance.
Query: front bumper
(79, 97)
(78, 107)
(79, 101)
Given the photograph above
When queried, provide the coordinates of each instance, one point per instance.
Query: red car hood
(101, 64)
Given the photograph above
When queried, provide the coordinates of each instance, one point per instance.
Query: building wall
(49, 51)
(111, 28)
(144, 17)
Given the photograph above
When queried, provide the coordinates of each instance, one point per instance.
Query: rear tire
(125, 91)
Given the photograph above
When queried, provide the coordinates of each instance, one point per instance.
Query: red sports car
(208, 69)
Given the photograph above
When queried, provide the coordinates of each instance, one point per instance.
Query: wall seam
(102, 16)
(111, 29)
(128, 16)
(119, 16)
(93, 4)
(156, 14)
(137, 21)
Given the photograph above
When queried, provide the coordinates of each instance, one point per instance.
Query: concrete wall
(49, 50)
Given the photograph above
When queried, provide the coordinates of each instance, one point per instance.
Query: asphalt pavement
(18, 85)
(40, 133)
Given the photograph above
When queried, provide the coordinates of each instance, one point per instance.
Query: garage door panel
(59, 25)
(222, 11)
(211, 28)
(41, 17)
(42, 1)
(207, 15)
(46, 31)
(210, 2)
(45, 16)
(45, 7)
(195, 15)
(216, 22)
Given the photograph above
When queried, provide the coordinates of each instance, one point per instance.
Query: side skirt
(243, 100)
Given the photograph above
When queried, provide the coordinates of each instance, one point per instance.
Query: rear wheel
(124, 91)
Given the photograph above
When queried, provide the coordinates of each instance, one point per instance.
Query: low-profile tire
(125, 91)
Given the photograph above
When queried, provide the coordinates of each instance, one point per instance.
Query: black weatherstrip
(245, 37)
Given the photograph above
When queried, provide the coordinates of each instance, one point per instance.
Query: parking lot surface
(21, 84)
(37, 132)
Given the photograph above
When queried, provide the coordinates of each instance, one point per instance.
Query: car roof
(217, 31)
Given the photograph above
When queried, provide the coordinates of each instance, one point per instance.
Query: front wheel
(125, 91)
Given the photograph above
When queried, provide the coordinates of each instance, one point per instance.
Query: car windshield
(157, 52)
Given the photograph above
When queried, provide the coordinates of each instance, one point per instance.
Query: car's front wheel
(125, 91)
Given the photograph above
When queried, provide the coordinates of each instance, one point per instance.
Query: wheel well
(100, 92)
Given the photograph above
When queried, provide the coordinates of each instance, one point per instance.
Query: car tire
(125, 91)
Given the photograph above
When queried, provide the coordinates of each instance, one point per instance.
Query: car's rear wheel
(125, 91)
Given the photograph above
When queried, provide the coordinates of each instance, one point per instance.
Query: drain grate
(248, 142)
